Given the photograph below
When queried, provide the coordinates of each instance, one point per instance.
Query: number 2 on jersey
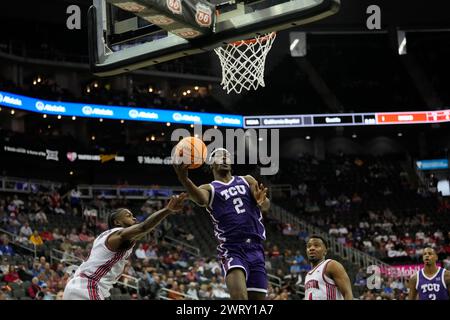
(238, 204)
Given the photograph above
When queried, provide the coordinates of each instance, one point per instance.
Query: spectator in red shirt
(47, 235)
(85, 236)
(12, 275)
(55, 199)
(34, 288)
(275, 252)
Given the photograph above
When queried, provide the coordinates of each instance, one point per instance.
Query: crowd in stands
(103, 93)
(164, 271)
(380, 211)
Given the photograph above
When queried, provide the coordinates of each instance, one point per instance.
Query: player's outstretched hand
(181, 170)
(260, 193)
(176, 202)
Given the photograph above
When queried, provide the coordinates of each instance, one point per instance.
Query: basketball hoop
(243, 62)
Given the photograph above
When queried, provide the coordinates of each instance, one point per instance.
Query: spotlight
(74, 118)
(354, 136)
(101, 120)
(59, 117)
(122, 121)
(93, 138)
(168, 124)
(12, 111)
(196, 88)
(44, 116)
(308, 138)
(153, 138)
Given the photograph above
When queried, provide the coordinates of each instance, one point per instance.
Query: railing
(12, 184)
(352, 255)
(274, 280)
(278, 190)
(64, 257)
(186, 246)
(129, 192)
(167, 291)
(130, 282)
(14, 241)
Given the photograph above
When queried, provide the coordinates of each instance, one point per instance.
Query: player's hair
(430, 249)
(321, 238)
(112, 217)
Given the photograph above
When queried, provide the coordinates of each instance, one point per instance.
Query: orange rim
(254, 40)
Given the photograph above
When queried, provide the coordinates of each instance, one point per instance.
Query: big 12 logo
(203, 15)
(174, 6)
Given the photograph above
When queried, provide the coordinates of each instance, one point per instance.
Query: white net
(243, 63)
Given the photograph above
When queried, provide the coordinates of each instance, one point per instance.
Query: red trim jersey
(318, 286)
(95, 277)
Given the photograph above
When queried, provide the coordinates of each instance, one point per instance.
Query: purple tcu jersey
(234, 211)
(433, 288)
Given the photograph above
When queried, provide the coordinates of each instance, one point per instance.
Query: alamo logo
(186, 33)
(174, 6)
(160, 20)
(203, 15)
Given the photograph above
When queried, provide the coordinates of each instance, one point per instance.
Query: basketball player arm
(259, 193)
(412, 295)
(199, 195)
(336, 271)
(116, 240)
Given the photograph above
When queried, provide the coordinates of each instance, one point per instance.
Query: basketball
(191, 150)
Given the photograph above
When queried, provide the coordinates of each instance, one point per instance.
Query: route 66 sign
(174, 6)
(203, 15)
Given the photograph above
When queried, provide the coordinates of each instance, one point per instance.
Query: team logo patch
(203, 15)
(174, 6)
(186, 33)
(159, 20)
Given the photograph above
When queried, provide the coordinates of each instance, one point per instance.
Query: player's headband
(211, 156)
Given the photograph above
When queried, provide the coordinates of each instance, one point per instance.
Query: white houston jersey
(103, 267)
(320, 287)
